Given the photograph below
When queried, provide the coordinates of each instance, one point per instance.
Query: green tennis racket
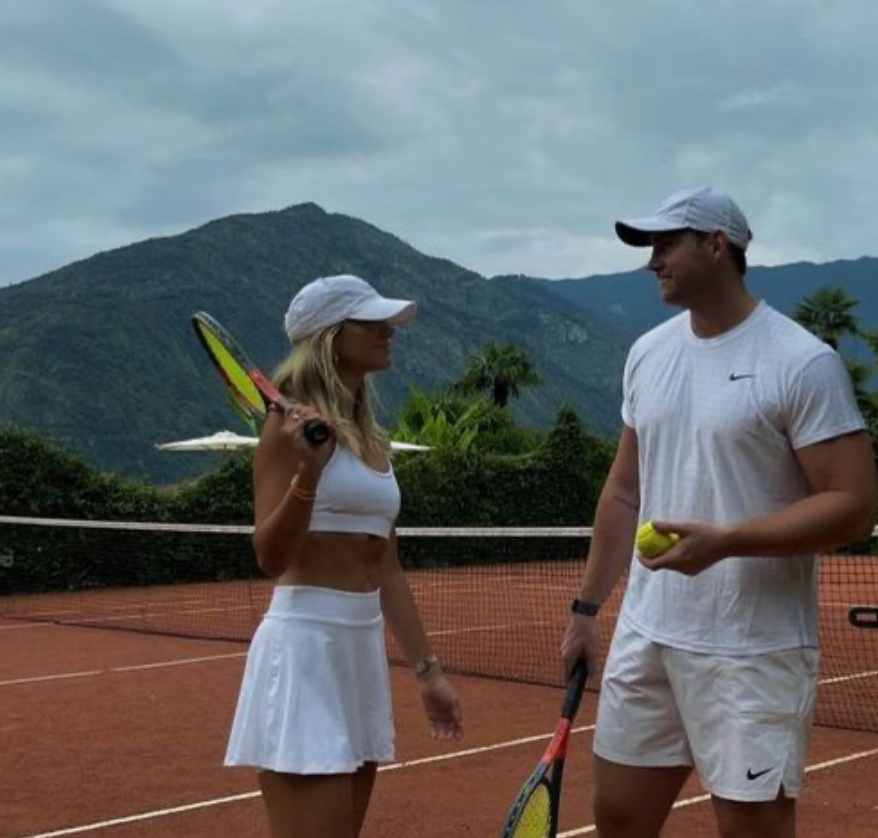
(250, 391)
(535, 811)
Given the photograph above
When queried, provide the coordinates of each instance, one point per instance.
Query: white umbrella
(408, 446)
(220, 441)
(227, 441)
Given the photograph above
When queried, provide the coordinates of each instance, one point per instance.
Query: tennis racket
(251, 392)
(535, 811)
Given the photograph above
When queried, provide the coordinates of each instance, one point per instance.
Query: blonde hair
(309, 376)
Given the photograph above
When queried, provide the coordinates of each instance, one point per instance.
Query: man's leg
(771, 819)
(642, 757)
(634, 802)
(749, 723)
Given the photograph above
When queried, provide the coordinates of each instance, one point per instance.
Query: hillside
(100, 356)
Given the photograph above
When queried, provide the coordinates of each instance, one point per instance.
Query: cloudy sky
(506, 135)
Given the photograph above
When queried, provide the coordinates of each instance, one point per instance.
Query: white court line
(132, 668)
(205, 804)
(395, 766)
(702, 798)
(498, 627)
(842, 679)
(20, 626)
(76, 620)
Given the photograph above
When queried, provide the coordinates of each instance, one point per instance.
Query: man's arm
(609, 555)
(841, 509)
(615, 523)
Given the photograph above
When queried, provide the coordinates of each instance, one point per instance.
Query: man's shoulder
(672, 327)
(791, 338)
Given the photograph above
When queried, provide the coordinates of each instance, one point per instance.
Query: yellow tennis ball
(651, 543)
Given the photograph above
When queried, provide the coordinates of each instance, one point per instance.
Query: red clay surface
(106, 733)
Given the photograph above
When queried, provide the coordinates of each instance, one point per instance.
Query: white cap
(692, 209)
(332, 299)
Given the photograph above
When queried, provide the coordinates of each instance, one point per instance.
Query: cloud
(506, 136)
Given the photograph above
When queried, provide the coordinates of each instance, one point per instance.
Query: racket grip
(316, 432)
(575, 688)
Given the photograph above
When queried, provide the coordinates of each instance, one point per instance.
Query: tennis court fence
(494, 600)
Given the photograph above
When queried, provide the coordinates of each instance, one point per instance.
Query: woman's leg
(364, 782)
(311, 806)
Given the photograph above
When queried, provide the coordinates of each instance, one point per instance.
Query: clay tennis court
(120, 733)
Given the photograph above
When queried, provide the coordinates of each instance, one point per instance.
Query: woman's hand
(442, 707)
(312, 458)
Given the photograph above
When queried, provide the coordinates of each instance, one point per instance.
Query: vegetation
(504, 371)
(829, 314)
(100, 354)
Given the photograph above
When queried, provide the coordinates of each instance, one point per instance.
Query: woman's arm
(282, 511)
(438, 696)
(400, 609)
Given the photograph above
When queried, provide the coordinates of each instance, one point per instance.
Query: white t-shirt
(717, 423)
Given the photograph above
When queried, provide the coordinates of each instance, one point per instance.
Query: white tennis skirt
(315, 698)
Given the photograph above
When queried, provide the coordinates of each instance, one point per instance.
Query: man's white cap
(332, 299)
(692, 209)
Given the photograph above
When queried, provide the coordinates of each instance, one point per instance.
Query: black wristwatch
(587, 609)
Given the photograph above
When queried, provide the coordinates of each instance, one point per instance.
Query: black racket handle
(575, 687)
(316, 432)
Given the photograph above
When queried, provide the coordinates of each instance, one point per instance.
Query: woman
(314, 714)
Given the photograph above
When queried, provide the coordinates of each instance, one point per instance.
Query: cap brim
(638, 232)
(395, 312)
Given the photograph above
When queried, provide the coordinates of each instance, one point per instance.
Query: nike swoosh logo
(738, 376)
(755, 776)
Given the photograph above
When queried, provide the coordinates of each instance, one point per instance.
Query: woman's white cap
(333, 299)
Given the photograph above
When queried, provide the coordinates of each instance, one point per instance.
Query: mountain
(630, 301)
(100, 355)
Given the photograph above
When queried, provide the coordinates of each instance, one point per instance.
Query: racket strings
(536, 817)
(237, 377)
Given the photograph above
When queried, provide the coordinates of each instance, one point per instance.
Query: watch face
(588, 609)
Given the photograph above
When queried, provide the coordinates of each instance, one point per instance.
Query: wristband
(587, 609)
(301, 492)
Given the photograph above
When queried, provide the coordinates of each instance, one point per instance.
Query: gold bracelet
(301, 492)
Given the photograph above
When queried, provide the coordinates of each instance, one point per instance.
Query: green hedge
(556, 485)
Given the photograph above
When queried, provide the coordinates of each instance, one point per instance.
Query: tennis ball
(651, 543)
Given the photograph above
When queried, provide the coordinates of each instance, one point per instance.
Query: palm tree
(828, 315)
(503, 371)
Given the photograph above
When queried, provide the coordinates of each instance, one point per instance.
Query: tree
(828, 314)
(502, 371)
(443, 421)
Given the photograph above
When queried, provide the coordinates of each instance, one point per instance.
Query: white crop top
(352, 497)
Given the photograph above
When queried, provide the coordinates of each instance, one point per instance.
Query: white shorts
(743, 722)
(315, 698)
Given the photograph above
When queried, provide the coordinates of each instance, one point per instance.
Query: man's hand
(700, 546)
(582, 639)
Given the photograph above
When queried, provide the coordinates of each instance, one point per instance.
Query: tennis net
(494, 600)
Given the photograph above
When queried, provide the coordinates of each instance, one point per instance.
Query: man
(742, 435)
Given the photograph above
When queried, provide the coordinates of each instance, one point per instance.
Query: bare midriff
(343, 561)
